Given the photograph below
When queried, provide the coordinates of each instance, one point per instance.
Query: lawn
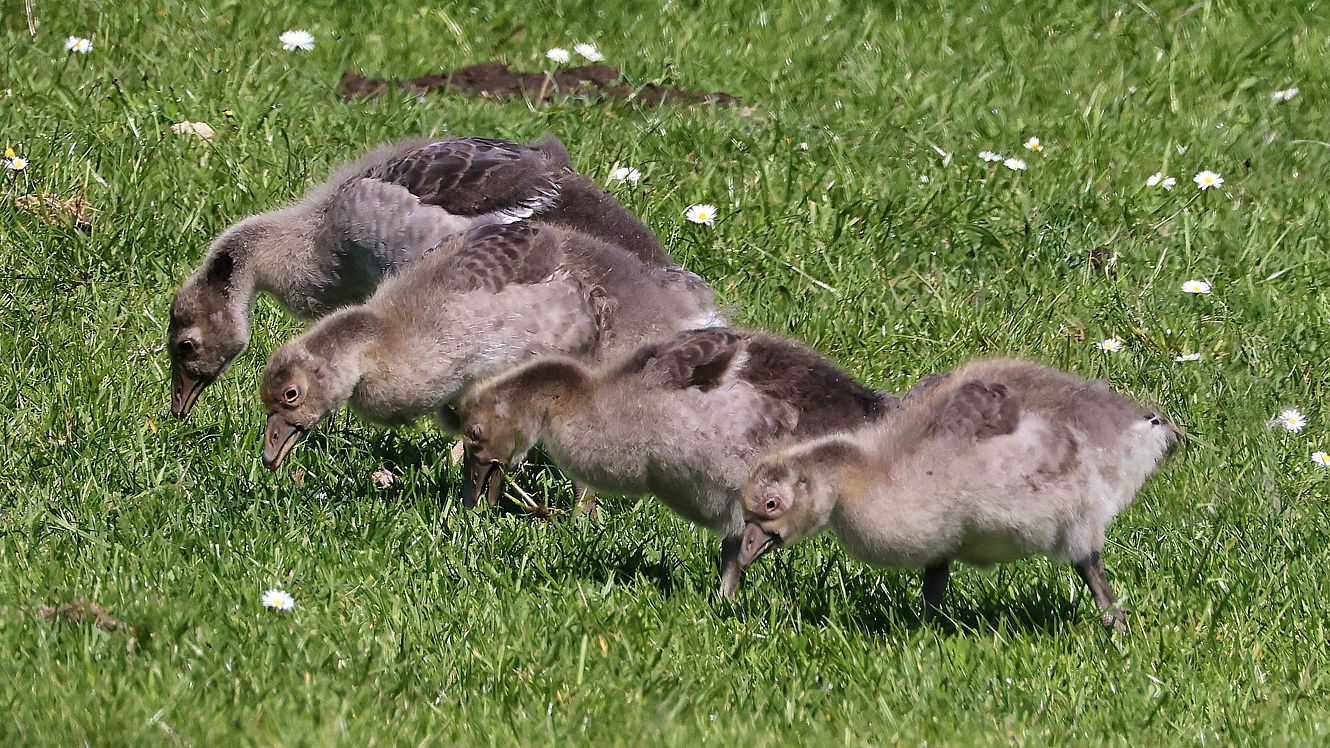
(854, 214)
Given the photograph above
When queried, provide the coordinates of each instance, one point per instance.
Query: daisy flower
(1015, 164)
(559, 55)
(278, 600)
(1034, 145)
(990, 156)
(802, 146)
(1110, 345)
(701, 213)
(1196, 286)
(1291, 419)
(78, 45)
(1321, 458)
(1285, 94)
(14, 162)
(625, 174)
(297, 39)
(588, 51)
(1159, 180)
(1207, 179)
(1188, 357)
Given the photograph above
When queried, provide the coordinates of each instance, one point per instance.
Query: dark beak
(278, 439)
(185, 390)
(755, 543)
(480, 476)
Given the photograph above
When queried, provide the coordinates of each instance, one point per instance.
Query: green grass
(420, 624)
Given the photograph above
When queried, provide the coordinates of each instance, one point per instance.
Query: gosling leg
(586, 500)
(1091, 571)
(935, 588)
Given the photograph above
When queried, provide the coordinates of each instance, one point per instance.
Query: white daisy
(701, 213)
(1015, 164)
(16, 163)
(991, 156)
(1285, 94)
(1188, 357)
(559, 55)
(625, 174)
(297, 39)
(1196, 286)
(588, 51)
(802, 146)
(1207, 179)
(278, 600)
(1033, 144)
(1321, 458)
(1291, 419)
(1110, 345)
(78, 45)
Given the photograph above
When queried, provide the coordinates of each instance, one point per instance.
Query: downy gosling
(509, 294)
(996, 461)
(684, 419)
(368, 220)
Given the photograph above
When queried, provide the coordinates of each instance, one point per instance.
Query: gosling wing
(480, 176)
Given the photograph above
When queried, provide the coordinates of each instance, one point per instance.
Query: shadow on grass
(885, 601)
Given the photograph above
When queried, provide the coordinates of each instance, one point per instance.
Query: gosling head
(790, 495)
(300, 386)
(209, 327)
(497, 433)
(502, 419)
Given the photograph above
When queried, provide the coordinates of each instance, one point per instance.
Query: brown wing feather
(475, 176)
(824, 396)
(497, 255)
(695, 358)
(977, 410)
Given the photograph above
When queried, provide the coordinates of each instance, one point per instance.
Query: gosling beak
(278, 439)
(480, 476)
(756, 542)
(185, 390)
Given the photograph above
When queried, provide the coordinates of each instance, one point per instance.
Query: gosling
(368, 220)
(996, 461)
(684, 419)
(510, 293)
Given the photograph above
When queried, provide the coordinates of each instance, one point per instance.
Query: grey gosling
(996, 461)
(510, 293)
(369, 219)
(683, 419)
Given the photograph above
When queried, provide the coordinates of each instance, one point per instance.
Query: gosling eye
(291, 396)
(770, 506)
(186, 347)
